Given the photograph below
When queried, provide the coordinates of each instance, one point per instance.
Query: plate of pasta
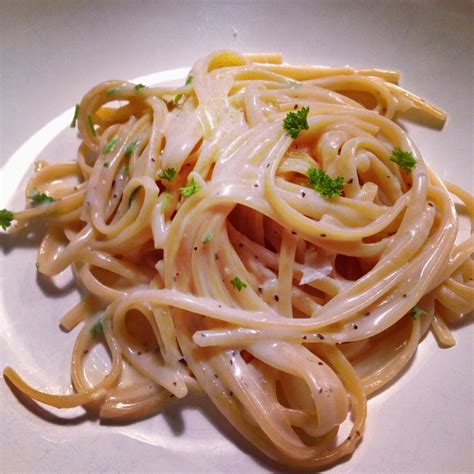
(247, 261)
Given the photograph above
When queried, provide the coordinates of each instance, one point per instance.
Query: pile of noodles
(286, 307)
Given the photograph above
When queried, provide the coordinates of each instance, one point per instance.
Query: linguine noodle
(208, 261)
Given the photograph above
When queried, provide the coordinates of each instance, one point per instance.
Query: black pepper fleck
(305, 337)
(293, 232)
(276, 298)
(320, 336)
(323, 235)
(367, 313)
(355, 326)
(350, 181)
(183, 361)
(320, 363)
(295, 107)
(303, 193)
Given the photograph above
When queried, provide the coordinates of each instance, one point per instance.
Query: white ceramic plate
(421, 423)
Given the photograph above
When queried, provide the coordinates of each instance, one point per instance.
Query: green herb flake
(189, 80)
(125, 169)
(74, 118)
(112, 90)
(110, 145)
(237, 283)
(106, 164)
(320, 181)
(165, 202)
(295, 84)
(131, 148)
(90, 124)
(168, 173)
(417, 312)
(207, 238)
(404, 159)
(191, 188)
(38, 198)
(97, 330)
(294, 122)
(133, 195)
(6, 218)
(139, 87)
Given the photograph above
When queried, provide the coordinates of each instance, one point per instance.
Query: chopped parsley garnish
(131, 148)
(112, 90)
(6, 218)
(237, 283)
(38, 198)
(295, 84)
(110, 145)
(90, 123)
(106, 164)
(139, 87)
(189, 79)
(97, 330)
(191, 188)
(168, 173)
(165, 202)
(207, 238)
(320, 181)
(76, 114)
(133, 195)
(402, 158)
(417, 312)
(294, 122)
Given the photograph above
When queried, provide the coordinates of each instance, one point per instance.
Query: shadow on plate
(36, 409)
(30, 237)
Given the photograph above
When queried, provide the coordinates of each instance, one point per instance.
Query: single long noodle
(287, 308)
